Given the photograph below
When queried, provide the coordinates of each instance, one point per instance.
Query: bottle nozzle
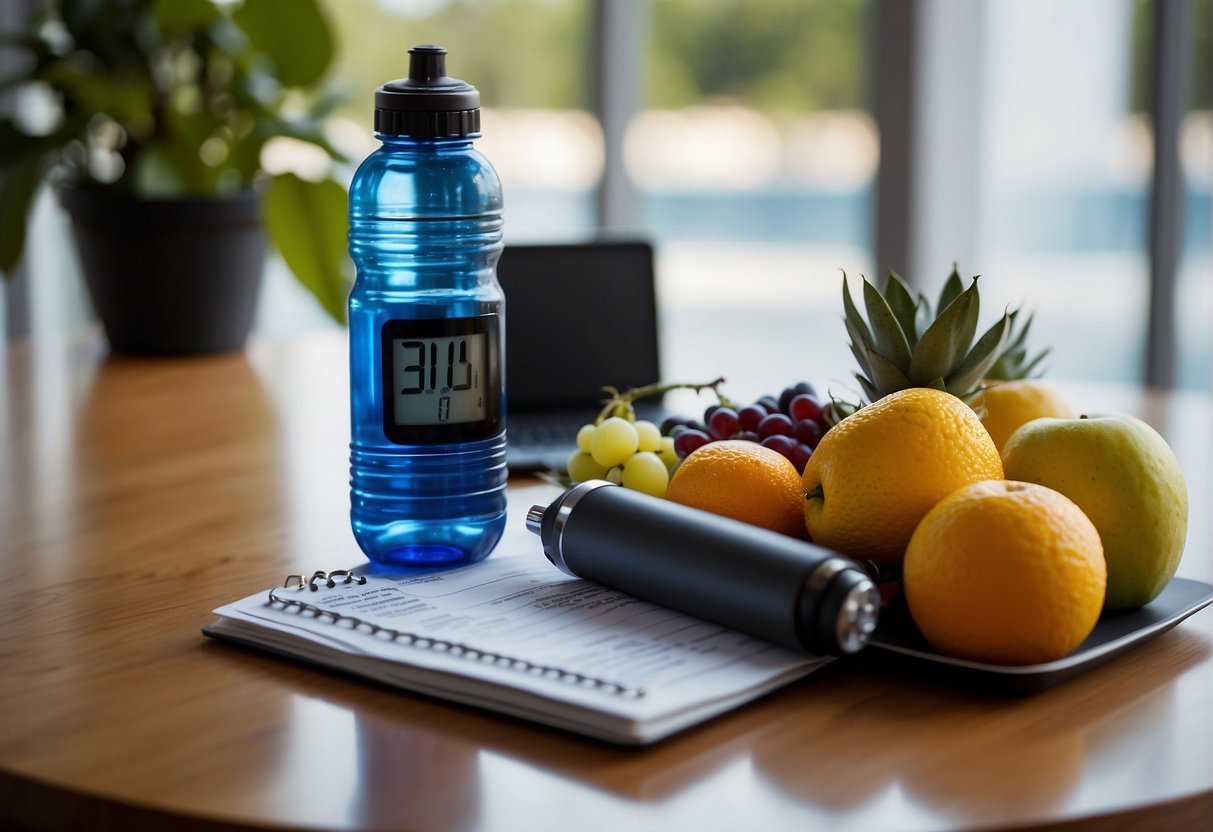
(427, 62)
(427, 104)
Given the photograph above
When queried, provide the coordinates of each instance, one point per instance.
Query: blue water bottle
(427, 328)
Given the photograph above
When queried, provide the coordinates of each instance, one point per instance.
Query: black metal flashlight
(767, 584)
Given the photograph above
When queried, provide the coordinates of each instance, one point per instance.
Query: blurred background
(768, 146)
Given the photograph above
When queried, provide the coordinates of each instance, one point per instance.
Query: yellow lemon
(878, 471)
(1006, 405)
(1005, 572)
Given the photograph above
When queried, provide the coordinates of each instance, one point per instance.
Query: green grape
(646, 473)
(583, 468)
(583, 437)
(614, 440)
(668, 455)
(649, 435)
(615, 475)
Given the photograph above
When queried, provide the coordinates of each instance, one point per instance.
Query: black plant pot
(170, 276)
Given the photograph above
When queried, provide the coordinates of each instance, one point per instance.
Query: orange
(1006, 405)
(742, 480)
(877, 472)
(1005, 572)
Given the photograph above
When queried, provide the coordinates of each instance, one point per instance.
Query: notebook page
(525, 626)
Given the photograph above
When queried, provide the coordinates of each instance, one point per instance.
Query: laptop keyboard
(542, 441)
(545, 429)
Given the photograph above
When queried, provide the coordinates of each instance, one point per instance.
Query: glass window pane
(1066, 170)
(755, 159)
(1194, 291)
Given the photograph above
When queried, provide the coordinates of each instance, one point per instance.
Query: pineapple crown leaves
(1014, 362)
(901, 346)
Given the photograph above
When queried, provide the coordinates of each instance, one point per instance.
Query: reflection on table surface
(138, 495)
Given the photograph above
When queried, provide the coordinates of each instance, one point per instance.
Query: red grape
(783, 445)
(769, 404)
(785, 399)
(804, 406)
(689, 441)
(807, 432)
(775, 424)
(750, 415)
(800, 456)
(723, 422)
(671, 422)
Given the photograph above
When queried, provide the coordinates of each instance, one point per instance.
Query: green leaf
(17, 189)
(307, 222)
(905, 308)
(980, 359)
(1030, 367)
(890, 341)
(952, 288)
(24, 162)
(853, 317)
(946, 340)
(869, 389)
(155, 174)
(887, 377)
(859, 347)
(1017, 341)
(183, 136)
(922, 317)
(127, 99)
(1013, 362)
(1007, 364)
(184, 16)
(857, 329)
(294, 34)
(244, 157)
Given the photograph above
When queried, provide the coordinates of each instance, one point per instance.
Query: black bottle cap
(427, 104)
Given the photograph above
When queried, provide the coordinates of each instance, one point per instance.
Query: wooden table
(140, 494)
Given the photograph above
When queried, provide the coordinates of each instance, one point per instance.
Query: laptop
(578, 317)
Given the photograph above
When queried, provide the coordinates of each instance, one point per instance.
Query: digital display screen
(442, 379)
(439, 380)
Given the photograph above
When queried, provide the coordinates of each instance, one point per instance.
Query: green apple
(1126, 479)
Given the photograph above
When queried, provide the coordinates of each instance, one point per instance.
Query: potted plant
(159, 112)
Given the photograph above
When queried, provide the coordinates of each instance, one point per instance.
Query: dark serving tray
(1116, 633)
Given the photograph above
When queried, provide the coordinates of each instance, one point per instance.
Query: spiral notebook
(515, 635)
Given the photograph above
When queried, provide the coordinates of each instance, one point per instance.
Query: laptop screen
(578, 317)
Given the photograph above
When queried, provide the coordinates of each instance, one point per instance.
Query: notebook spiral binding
(453, 648)
(329, 578)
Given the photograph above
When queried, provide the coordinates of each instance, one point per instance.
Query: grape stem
(620, 403)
